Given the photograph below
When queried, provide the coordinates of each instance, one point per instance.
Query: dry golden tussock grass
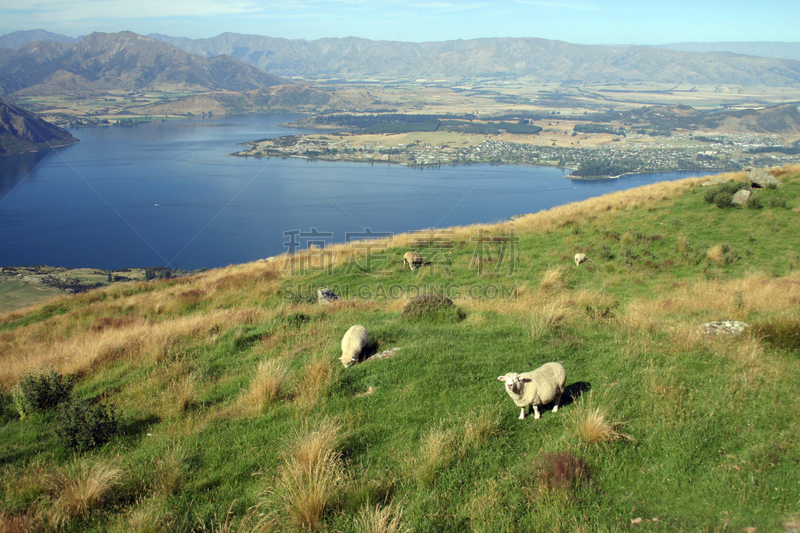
(80, 489)
(170, 471)
(146, 341)
(146, 516)
(716, 254)
(548, 316)
(590, 422)
(267, 385)
(311, 474)
(755, 295)
(551, 278)
(479, 427)
(311, 383)
(380, 520)
(437, 450)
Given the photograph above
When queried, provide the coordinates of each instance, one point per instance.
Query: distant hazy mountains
(502, 57)
(21, 131)
(121, 61)
(126, 60)
(18, 39)
(762, 49)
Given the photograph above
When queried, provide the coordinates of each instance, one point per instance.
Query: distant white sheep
(580, 258)
(353, 343)
(535, 388)
(413, 260)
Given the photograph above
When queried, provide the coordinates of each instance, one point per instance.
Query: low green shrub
(83, 425)
(722, 195)
(777, 202)
(754, 202)
(434, 308)
(296, 320)
(724, 199)
(39, 392)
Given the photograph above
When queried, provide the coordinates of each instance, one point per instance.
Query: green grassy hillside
(233, 412)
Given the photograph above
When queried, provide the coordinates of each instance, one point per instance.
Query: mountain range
(355, 58)
(121, 61)
(22, 131)
(545, 60)
(779, 50)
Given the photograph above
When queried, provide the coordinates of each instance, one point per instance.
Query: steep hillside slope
(217, 402)
(21, 131)
(123, 61)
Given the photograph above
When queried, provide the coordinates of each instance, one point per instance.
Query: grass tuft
(81, 489)
(380, 520)
(551, 278)
(311, 475)
(547, 318)
(436, 452)
(267, 385)
(591, 425)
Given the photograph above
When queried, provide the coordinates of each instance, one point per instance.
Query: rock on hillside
(22, 131)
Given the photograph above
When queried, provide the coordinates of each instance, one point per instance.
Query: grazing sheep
(353, 343)
(580, 258)
(535, 388)
(412, 259)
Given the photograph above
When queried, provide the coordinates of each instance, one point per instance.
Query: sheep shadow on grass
(574, 391)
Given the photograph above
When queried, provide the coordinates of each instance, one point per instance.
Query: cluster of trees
(597, 128)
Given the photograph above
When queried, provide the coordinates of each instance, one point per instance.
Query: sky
(610, 22)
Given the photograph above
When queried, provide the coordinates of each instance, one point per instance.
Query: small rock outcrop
(741, 197)
(326, 296)
(723, 327)
(761, 178)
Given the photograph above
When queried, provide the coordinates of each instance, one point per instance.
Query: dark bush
(754, 202)
(780, 333)
(435, 307)
(83, 425)
(42, 391)
(296, 320)
(724, 199)
(777, 202)
(722, 195)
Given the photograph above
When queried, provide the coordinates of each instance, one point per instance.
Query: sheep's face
(513, 382)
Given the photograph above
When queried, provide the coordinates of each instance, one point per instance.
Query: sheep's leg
(557, 402)
(522, 414)
(536, 414)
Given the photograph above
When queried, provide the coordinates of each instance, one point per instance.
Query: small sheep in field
(535, 388)
(580, 258)
(413, 260)
(353, 343)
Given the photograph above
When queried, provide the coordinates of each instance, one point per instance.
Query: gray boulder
(760, 177)
(741, 197)
(723, 327)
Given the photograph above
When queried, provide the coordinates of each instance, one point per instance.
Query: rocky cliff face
(22, 131)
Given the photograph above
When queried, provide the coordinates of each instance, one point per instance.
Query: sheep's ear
(526, 380)
(502, 378)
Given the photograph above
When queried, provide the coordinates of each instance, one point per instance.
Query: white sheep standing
(535, 388)
(580, 258)
(353, 343)
(413, 260)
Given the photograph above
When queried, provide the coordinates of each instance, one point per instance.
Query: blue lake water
(167, 194)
